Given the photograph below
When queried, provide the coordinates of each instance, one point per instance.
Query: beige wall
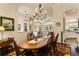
(10, 10)
(56, 11)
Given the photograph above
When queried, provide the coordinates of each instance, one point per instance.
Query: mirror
(71, 21)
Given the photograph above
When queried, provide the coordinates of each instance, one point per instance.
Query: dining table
(33, 44)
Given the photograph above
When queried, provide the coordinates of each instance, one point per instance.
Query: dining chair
(4, 50)
(6, 47)
(20, 51)
(30, 36)
(54, 44)
(44, 51)
(11, 47)
(48, 46)
(60, 49)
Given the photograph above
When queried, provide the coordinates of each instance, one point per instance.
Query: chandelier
(40, 13)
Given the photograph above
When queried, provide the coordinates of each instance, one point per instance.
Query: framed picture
(19, 27)
(25, 27)
(8, 23)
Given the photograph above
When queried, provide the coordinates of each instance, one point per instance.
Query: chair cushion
(13, 53)
(6, 50)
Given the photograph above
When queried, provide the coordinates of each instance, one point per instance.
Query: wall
(10, 10)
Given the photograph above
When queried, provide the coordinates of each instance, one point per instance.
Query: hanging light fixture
(40, 13)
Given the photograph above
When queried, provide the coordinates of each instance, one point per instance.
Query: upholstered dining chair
(54, 44)
(6, 46)
(30, 36)
(46, 49)
(49, 43)
(11, 47)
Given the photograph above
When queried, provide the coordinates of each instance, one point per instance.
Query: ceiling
(48, 7)
(32, 6)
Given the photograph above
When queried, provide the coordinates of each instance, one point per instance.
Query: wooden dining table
(41, 42)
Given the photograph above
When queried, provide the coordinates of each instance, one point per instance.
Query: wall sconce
(58, 24)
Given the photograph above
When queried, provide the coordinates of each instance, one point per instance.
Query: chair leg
(50, 53)
(54, 52)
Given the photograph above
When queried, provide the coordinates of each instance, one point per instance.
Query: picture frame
(25, 27)
(7, 23)
(58, 24)
(19, 27)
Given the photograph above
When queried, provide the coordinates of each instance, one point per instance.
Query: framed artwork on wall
(19, 27)
(22, 27)
(25, 27)
(58, 24)
(8, 23)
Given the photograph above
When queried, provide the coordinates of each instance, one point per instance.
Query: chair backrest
(54, 42)
(30, 36)
(16, 48)
(55, 39)
(52, 34)
(49, 42)
(50, 39)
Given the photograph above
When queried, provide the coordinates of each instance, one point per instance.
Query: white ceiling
(48, 7)
(32, 6)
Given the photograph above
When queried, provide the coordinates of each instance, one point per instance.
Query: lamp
(1, 30)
